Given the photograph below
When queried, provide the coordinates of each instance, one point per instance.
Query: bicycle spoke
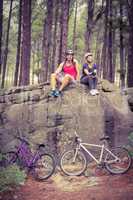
(72, 164)
(44, 167)
(119, 163)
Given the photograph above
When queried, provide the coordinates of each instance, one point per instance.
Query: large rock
(107, 86)
(40, 118)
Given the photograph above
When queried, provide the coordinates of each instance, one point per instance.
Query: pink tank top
(71, 70)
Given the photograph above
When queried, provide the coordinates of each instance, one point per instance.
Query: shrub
(130, 139)
(11, 176)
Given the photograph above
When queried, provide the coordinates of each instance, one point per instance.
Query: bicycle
(42, 165)
(74, 162)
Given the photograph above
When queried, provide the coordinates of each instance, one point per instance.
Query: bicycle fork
(75, 154)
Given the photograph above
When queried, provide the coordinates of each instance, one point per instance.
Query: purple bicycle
(42, 165)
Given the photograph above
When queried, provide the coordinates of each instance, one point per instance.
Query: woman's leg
(95, 82)
(88, 80)
(85, 80)
(65, 82)
(91, 83)
(53, 81)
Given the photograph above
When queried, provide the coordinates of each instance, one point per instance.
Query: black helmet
(69, 52)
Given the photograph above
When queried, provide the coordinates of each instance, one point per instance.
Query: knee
(68, 78)
(53, 75)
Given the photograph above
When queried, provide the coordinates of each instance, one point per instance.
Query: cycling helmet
(69, 52)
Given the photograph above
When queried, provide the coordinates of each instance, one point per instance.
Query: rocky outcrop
(31, 112)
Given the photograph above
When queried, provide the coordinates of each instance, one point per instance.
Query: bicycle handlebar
(77, 139)
(22, 139)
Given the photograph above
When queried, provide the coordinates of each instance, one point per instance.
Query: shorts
(61, 76)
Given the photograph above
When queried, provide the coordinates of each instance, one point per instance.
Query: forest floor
(98, 186)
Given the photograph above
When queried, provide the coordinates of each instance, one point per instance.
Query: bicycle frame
(102, 147)
(26, 155)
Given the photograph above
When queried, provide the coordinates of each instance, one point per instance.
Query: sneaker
(92, 92)
(96, 91)
(52, 94)
(57, 93)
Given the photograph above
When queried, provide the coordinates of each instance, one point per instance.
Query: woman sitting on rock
(66, 73)
(89, 74)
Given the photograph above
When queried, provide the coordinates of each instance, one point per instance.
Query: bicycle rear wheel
(44, 167)
(119, 164)
(73, 164)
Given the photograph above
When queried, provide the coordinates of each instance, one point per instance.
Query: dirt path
(99, 187)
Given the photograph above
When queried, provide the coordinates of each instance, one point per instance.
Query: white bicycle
(74, 162)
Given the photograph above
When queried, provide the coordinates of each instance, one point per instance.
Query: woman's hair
(86, 56)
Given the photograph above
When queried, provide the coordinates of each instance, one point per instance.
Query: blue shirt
(90, 70)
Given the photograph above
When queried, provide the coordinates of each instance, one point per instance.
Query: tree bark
(56, 23)
(6, 47)
(18, 46)
(75, 25)
(110, 45)
(122, 63)
(130, 47)
(46, 44)
(26, 42)
(89, 25)
(1, 29)
(104, 49)
(65, 4)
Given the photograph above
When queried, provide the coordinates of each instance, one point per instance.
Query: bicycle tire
(44, 167)
(10, 158)
(70, 167)
(121, 166)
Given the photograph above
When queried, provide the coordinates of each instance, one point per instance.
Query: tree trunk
(46, 44)
(56, 22)
(97, 55)
(75, 25)
(6, 47)
(26, 42)
(104, 49)
(122, 63)
(1, 29)
(18, 46)
(89, 25)
(110, 45)
(130, 47)
(65, 4)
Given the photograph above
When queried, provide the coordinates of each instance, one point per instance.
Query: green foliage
(11, 176)
(80, 32)
(130, 139)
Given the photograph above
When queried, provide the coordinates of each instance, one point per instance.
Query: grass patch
(11, 176)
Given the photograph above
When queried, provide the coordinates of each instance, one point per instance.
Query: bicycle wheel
(44, 167)
(119, 164)
(10, 158)
(72, 164)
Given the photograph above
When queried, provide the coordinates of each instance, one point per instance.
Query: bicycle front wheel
(73, 164)
(119, 161)
(44, 167)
